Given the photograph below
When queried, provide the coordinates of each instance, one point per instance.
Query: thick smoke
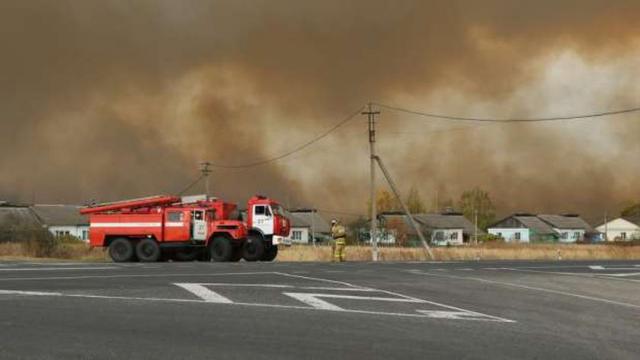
(115, 99)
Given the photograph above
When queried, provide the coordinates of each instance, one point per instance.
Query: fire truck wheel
(121, 250)
(270, 253)
(253, 248)
(148, 250)
(237, 254)
(220, 249)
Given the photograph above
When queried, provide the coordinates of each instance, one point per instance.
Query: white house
(62, 220)
(531, 228)
(621, 229)
(306, 223)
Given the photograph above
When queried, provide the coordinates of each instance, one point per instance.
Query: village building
(620, 229)
(523, 227)
(62, 220)
(306, 225)
(439, 229)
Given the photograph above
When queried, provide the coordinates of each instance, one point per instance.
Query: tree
(477, 200)
(631, 210)
(386, 201)
(414, 202)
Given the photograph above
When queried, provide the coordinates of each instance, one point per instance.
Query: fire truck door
(199, 225)
(263, 219)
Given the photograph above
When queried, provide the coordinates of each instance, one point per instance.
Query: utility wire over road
(294, 150)
(508, 120)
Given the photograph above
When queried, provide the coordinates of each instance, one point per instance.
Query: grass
(62, 250)
(70, 249)
(479, 252)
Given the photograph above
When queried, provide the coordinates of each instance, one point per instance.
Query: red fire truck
(186, 228)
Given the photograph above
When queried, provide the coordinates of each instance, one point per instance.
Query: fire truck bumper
(281, 240)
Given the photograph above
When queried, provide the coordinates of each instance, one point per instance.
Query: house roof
(566, 222)
(632, 219)
(17, 215)
(535, 224)
(307, 218)
(544, 224)
(59, 215)
(446, 221)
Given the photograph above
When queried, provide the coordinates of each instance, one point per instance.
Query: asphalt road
(457, 310)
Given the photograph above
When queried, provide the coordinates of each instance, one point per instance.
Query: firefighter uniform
(338, 234)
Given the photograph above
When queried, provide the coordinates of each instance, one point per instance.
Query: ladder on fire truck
(145, 202)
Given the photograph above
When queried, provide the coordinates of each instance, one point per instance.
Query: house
(14, 220)
(439, 229)
(308, 223)
(620, 229)
(62, 220)
(524, 227)
(570, 227)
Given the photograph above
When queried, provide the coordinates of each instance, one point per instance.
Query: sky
(108, 100)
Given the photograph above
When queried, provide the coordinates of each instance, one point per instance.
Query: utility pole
(204, 168)
(475, 227)
(412, 221)
(313, 228)
(606, 227)
(371, 117)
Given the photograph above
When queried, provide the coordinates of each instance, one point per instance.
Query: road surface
(437, 310)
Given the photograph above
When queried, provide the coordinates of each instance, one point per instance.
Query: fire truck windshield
(277, 210)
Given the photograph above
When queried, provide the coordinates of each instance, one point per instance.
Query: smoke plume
(108, 100)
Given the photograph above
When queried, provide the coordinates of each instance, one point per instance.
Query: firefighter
(339, 241)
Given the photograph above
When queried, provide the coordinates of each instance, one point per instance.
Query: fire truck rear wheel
(220, 249)
(121, 250)
(270, 253)
(253, 248)
(148, 250)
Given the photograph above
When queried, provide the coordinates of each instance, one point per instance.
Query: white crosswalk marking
(204, 293)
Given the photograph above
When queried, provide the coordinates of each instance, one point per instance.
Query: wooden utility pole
(204, 168)
(371, 117)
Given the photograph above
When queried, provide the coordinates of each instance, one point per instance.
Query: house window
(499, 234)
(517, 235)
(565, 235)
(623, 235)
(576, 235)
(454, 236)
(296, 235)
(85, 234)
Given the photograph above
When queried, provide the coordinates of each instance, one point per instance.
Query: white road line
(313, 301)
(128, 276)
(205, 293)
(533, 288)
(588, 275)
(612, 268)
(249, 285)
(420, 314)
(30, 293)
(60, 269)
(623, 274)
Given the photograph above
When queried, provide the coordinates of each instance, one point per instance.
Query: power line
(191, 185)
(508, 120)
(294, 150)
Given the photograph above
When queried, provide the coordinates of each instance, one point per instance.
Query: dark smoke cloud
(116, 99)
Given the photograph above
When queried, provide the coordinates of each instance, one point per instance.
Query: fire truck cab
(267, 224)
